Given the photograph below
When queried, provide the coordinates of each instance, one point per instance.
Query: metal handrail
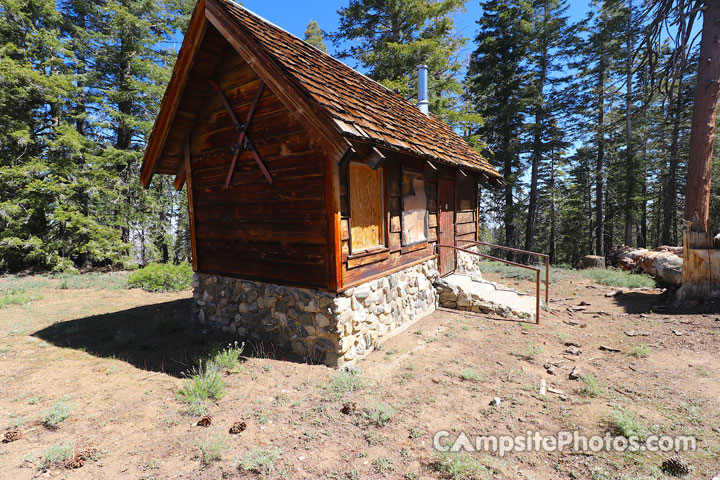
(526, 252)
(490, 257)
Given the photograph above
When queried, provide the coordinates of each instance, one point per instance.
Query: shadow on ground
(649, 302)
(641, 302)
(152, 337)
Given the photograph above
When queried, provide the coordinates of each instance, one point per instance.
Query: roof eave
(491, 175)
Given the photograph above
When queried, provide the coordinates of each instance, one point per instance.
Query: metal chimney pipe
(423, 103)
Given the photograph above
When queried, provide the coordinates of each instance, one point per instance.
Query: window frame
(415, 173)
(382, 246)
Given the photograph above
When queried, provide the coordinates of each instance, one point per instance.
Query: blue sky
(294, 16)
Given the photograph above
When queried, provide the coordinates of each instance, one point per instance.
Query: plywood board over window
(414, 214)
(367, 196)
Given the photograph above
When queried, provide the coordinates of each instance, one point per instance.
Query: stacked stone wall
(334, 329)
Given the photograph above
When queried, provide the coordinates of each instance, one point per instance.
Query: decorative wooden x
(244, 141)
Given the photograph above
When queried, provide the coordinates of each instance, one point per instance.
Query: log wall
(364, 266)
(273, 232)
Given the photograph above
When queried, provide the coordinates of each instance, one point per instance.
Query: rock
(573, 350)
(342, 304)
(590, 261)
(305, 319)
(609, 349)
(312, 306)
(205, 421)
(322, 320)
(575, 373)
(543, 387)
(495, 402)
(362, 292)
(614, 293)
(634, 333)
(675, 466)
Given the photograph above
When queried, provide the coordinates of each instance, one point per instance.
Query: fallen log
(664, 266)
(664, 263)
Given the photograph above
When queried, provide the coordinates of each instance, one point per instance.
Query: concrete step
(470, 292)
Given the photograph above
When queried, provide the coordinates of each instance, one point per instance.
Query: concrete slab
(471, 292)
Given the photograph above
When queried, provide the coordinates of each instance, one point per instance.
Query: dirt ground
(117, 358)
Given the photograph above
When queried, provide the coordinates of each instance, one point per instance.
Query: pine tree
(314, 36)
(46, 181)
(412, 32)
(498, 85)
(64, 116)
(598, 55)
(549, 47)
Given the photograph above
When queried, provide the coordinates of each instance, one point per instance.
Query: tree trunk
(642, 238)
(537, 141)
(669, 233)
(703, 121)
(629, 167)
(509, 214)
(553, 215)
(599, 181)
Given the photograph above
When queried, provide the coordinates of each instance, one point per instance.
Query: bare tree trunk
(703, 122)
(669, 233)
(599, 180)
(553, 214)
(537, 143)
(509, 213)
(629, 167)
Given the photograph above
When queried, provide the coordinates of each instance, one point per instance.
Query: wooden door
(446, 224)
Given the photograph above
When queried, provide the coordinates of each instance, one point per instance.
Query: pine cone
(676, 466)
(348, 408)
(238, 427)
(205, 421)
(76, 462)
(88, 453)
(12, 436)
(81, 457)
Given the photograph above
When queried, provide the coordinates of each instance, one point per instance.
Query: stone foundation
(319, 326)
(467, 262)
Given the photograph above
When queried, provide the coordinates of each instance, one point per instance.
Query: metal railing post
(537, 297)
(547, 280)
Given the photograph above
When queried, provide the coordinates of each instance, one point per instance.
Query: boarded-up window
(366, 208)
(414, 215)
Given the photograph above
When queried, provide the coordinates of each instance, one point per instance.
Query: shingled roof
(359, 108)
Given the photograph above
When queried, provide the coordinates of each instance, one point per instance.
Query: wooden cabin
(316, 196)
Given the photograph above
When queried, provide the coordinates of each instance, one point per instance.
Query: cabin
(316, 196)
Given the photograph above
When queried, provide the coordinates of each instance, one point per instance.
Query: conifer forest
(590, 122)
